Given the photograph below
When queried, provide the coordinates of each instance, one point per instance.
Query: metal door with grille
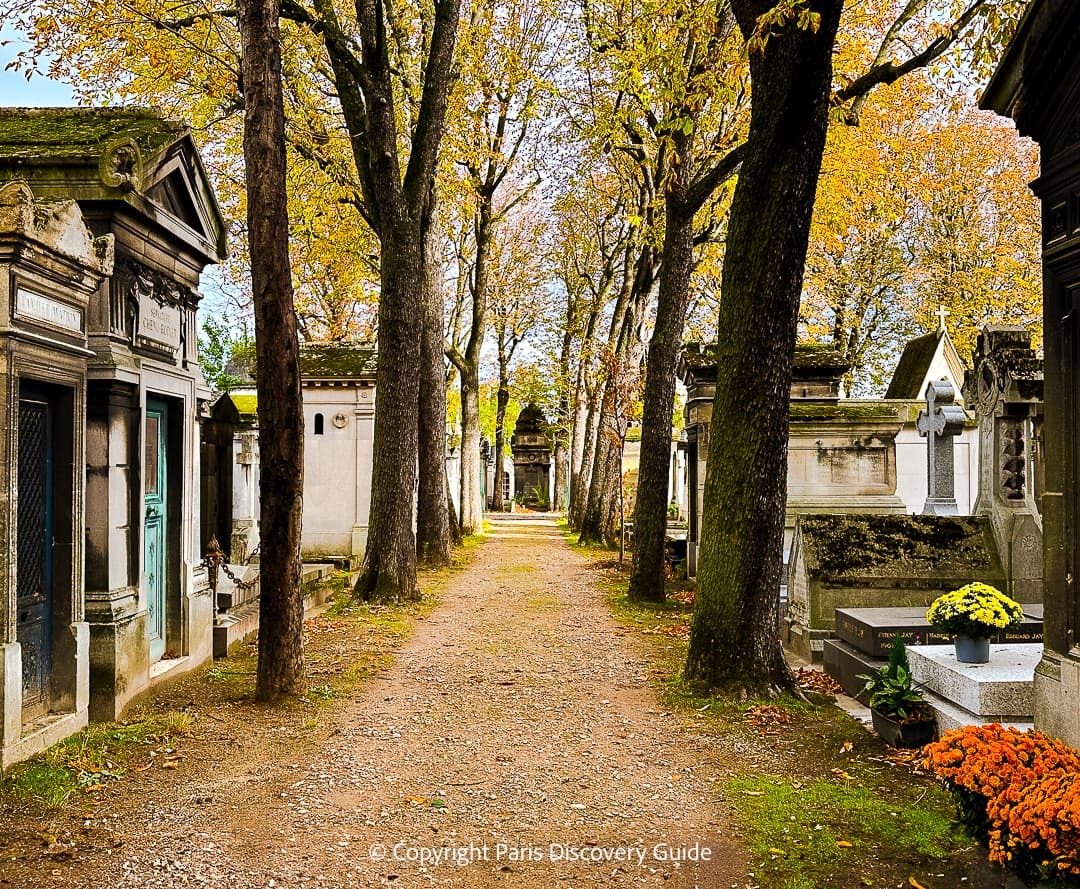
(34, 542)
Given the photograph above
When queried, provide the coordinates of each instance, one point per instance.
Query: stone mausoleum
(337, 384)
(136, 177)
(1038, 86)
(52, 267)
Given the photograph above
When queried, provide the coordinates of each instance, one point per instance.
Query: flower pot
(972, 650)
(903, 734)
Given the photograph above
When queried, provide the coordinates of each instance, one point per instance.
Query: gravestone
(940, 423)
(865, 635)
(1006, 392)
(874, 561)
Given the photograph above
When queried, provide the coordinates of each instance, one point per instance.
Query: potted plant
(972, 614)
(900, 714)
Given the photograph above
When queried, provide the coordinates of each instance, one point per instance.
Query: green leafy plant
(891, 689)
(540, 495)
(976, 610)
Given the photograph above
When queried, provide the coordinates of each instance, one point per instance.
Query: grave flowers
(973, 614)
(1018, 793)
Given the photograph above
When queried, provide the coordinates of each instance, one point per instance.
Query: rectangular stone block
(871, 630)
(845, 663)
(999, 691)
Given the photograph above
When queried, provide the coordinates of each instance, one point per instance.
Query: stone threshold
(41, 735)
(163, 668)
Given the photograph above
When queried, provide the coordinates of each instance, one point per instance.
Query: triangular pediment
(176, 182)
(130, 155)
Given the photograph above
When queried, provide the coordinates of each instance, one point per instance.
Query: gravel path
(515, 742)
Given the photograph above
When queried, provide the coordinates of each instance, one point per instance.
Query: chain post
(213, 560)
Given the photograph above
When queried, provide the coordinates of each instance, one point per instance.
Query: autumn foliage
(1017, 792)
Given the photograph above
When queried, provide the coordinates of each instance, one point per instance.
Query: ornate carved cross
(939, 424)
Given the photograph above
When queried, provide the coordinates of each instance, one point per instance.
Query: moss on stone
(337, 360)
(841, 549)
(868, 411)
(913, 366)
(82, 133)
(246, 407)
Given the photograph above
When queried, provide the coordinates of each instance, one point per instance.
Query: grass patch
(97, 754)
(820, 833)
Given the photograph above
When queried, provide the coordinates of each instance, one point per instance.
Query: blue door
(155, 538)
(34, 545)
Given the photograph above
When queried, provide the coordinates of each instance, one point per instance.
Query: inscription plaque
(51, 311)
(159, 325)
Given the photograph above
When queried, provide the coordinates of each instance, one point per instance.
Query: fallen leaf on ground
(844, 844)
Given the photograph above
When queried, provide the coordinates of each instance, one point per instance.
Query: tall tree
(919, 207)
(281, 418)
(733, 637)
(517, 304)
(506, 57)
(398, 206)
(433, 529)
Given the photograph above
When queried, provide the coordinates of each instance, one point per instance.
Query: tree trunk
(583, 434)
(472, 504)
(472, 499)
(599, 520)
(581, 484)
(388, 573)
(451, 517)
(562, 466)
(654, 469)
(432, 522)
(734, 638)
(502, 399)
(281, 419)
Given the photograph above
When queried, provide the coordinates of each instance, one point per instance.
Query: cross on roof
(942, 312)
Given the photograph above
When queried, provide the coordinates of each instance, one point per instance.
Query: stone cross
(942, 313)
(939, 424)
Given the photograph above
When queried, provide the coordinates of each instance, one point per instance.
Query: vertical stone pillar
(1006, 392)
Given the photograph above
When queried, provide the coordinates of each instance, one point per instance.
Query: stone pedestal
(974, 694)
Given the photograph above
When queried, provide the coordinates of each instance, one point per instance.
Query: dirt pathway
(516, 742)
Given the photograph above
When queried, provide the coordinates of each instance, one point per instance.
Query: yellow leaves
(915, 884)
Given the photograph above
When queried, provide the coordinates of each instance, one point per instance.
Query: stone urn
(972, 649)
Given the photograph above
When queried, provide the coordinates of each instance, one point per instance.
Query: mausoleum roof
(337, 361)
(81, 134)
(125, 157)
(812, 361)
(914, 362)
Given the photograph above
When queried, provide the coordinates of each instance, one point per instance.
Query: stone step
(949, 716)
(871, 630)
(845, 663)
(999, 691)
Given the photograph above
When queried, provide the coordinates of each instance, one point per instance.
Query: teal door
(155, 538)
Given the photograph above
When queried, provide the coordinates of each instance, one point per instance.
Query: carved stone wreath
(121, 165)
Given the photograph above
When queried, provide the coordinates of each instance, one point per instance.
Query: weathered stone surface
(1000, 689)
(866, 561)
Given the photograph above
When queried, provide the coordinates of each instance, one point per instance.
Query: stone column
(1006, 392)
